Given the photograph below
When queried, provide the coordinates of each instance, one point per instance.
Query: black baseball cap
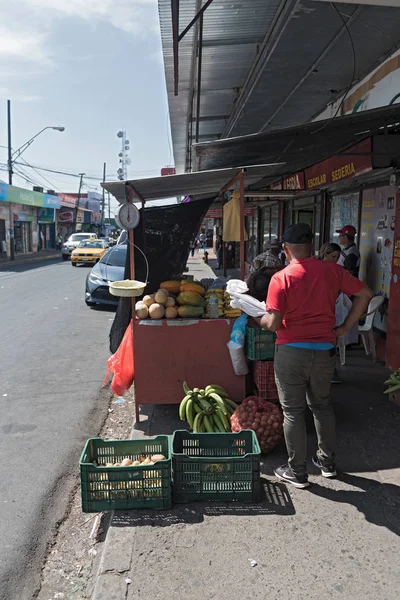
(300, 233)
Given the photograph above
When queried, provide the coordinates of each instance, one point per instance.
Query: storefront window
(266, 221)
(274, 222)
(344, 211)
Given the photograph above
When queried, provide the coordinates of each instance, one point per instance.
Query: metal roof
(299, 147)
(268, 64)
(199, 184)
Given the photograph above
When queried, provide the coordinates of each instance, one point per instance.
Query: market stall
(170, 351)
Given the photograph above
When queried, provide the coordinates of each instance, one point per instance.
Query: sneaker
(326, 470)
(285, 473)
(336, 378)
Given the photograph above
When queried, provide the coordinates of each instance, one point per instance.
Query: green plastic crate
(215, 466)
(260, 344)
(125, 488)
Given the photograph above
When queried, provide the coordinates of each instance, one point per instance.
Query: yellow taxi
(89, 251)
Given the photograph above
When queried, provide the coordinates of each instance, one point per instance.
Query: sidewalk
(336, 540)
(21, 259)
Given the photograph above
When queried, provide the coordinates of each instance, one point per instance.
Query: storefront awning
(198, 184)
(297, 148)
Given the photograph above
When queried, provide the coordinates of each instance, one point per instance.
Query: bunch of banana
(207, 410)
(220, 295)
(229, 312)
(393, 382)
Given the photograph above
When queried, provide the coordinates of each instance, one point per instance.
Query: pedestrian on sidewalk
(301, 309)
(350, 257)
(219, 247)
(58, 242)
(192, 247)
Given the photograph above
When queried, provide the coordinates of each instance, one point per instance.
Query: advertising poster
(378, 220)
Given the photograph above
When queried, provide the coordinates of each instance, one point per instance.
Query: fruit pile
(263, 417)
(393, 383)
(207, 410)
(174, 299)
(229, 312)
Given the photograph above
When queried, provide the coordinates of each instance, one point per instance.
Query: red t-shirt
(305, 292)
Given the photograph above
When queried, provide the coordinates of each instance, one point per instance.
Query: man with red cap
(350, 256)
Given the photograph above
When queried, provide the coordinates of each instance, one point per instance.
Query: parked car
(111, 267)
(73, 242)
(89, 251)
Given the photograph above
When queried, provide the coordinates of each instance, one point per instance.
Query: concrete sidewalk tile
(110, 587)
(117, 553)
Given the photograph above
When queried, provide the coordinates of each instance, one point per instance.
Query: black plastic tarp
(169, 231)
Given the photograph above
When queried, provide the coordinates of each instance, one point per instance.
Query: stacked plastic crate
(260, 348)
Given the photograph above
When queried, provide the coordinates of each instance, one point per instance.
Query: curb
(26, 261)
(116, 556)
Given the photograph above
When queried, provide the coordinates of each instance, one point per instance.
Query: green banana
(198, 422)
(197, 407)
(230, 403)
(216, 388)
(206, 406)
(190, 415)
(394, 388)
(182, 408)
(196, 390)
(224, 419)
(208, 424)
(218, 422)
(186, 388)
(219, 402)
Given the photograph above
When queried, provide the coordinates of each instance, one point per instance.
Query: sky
(93, 67)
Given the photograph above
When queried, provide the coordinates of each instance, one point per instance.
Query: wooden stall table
(169, 352)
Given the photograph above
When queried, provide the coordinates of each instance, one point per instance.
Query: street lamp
(12, 157)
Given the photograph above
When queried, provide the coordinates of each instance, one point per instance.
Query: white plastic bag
(236, 286)
(248, 304)
(238, 358)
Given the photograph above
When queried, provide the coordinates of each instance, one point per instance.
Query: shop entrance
(3, 247)
(22, 237)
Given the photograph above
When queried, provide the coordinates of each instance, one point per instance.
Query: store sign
(68, 201)
(65, 216)
(16, 195)
(337, 168)
(216, 213)
(168, 171)
(293, 182)
(80, 216)
(22, 218)
(45, 215)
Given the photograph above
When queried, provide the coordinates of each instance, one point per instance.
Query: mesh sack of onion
(263, 417)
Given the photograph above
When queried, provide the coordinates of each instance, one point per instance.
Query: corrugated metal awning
(302, 146)
(197, 184)
(268, 64)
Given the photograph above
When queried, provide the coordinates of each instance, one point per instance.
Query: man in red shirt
(301, 309)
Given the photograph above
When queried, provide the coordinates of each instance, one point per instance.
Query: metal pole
(199, 65)
(131, 238)
(103, 199)
(242, 253)
(79, 196)
(109, 207)
(10, 174)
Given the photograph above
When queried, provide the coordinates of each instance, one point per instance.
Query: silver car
(73, 242)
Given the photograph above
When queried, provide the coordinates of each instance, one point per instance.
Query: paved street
(54, 352)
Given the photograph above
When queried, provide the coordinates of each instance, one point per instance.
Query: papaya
(172, 286)
(190, 286)
(191, 298)
(190, 311)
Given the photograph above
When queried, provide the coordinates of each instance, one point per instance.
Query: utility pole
(10, 174)
(79, 196)
(104, 199)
